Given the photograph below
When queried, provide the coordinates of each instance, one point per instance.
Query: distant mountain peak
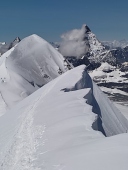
(87, 28)
(17, 39)
(15, 42)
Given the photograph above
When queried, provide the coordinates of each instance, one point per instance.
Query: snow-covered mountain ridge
(54, 128)
(54, 118)
(40, 55)
(24, 68)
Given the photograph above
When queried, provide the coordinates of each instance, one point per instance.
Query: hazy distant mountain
(115, 44)
(6, 46)
(16, 41)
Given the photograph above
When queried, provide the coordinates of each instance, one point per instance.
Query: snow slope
(123, 109)
(25, 68)
(13, 88)
(53, 129)
(36, 60)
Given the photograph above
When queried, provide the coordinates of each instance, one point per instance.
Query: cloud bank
(74, 43)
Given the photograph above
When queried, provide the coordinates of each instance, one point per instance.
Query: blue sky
(50, 18)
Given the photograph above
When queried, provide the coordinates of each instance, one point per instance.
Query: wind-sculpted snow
(52, 129)
(13, 88)
(25, 68)
(36, 61)
(113, 122)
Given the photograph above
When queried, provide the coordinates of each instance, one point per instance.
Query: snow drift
(53, 128)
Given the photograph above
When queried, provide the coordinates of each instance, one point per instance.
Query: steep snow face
(26, 67)
(123, 109)
(36, 61)
(13, 88)
(113, 122)
(52, 129)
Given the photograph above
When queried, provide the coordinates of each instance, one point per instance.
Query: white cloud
(74, 43)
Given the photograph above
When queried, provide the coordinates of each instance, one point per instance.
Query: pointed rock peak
(15, 42)
(17, 39)
(87, 29)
